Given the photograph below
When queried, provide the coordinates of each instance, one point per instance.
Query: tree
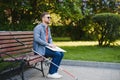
(107, 28)
(12, 14)
(21, 14)
(90, 8)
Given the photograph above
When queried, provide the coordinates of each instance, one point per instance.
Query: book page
(56, 49)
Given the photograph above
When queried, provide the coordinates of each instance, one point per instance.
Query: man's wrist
(47, 44)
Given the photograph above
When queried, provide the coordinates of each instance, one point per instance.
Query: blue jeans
(56, 58)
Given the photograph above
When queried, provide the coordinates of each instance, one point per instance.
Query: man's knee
(59, 54)
(62, 54)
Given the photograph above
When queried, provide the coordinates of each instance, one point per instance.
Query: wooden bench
(12, 50)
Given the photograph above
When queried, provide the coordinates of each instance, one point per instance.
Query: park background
(88, 30)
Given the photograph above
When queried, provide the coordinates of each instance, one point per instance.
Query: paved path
(83, 73)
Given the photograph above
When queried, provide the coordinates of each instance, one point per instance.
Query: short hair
(43, 14)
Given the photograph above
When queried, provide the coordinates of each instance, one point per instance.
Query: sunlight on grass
(80, 43)
(76, 43)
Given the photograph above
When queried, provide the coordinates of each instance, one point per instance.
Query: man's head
(45, 17)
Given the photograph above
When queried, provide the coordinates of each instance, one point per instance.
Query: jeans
(56, 58)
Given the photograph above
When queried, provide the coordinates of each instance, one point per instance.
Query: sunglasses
(49, 17)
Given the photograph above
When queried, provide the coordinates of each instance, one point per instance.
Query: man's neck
(45, 24)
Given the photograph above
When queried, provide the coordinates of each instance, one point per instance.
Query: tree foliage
(107, 28)
(17, 14)
(69, 9)
(14, 13)
(21, 14)
(83, 29)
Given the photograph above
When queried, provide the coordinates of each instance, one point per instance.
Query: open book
(56, 49)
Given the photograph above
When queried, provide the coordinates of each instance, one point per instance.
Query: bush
(74, 32)
(60, 31)
(107, 28)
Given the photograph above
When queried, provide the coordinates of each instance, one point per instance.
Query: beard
(47, 22)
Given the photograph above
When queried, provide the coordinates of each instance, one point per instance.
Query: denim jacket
(39, 40)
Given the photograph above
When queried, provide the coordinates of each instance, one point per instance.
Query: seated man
(42, 38)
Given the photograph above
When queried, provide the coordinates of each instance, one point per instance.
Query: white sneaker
(54, 76)
(58, 74)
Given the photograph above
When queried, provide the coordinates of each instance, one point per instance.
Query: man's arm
(37, 37)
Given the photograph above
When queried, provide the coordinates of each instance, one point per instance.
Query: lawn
(92, 53)
(89, 51)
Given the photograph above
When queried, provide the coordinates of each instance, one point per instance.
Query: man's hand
(52, 45)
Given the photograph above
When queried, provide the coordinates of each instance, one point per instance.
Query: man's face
(46, 19)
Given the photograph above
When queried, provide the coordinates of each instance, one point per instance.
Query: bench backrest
(9, 44)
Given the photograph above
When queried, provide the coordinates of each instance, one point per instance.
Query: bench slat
(30, 59)
(15, 33)
(18, 37)
(14, 41)
(2, 46)
(18, 52)
(11, 49)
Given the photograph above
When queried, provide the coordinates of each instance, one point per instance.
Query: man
(42, 38)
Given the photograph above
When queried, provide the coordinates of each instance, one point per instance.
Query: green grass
(6, 65)
(93, 53)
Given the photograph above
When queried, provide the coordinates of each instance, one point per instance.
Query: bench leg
(22, 66)
(40, 69)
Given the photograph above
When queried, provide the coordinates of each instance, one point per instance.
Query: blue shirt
(39, 40)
